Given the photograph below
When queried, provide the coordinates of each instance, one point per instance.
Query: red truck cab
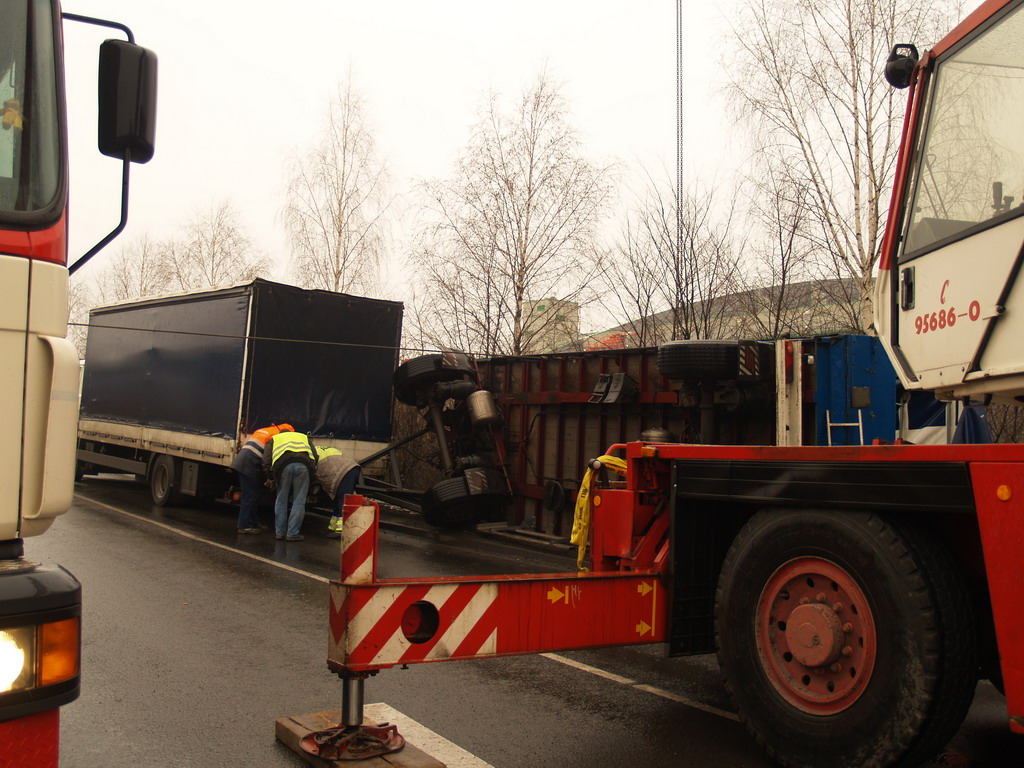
(40, 607)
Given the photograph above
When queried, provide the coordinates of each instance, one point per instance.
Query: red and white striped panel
(378, 624)
(494, 616)
(366, 623)
(359, 540)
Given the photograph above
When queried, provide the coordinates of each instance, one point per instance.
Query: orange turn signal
(59, 651)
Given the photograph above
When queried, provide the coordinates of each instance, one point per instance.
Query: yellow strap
(581, 518)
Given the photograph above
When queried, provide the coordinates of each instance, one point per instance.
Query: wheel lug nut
(804, 600)
(847, 651)
(820, 597)
(847, 627)
(837, 607)
(837, 667)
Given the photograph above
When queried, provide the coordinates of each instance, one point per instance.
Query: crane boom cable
(679, 172)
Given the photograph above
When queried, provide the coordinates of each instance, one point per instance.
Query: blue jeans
(294, 478)
(345, 487)
(248, 504)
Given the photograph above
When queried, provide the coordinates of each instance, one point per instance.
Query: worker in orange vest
(248, 467)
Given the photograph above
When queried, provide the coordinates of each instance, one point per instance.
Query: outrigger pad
(353, 742)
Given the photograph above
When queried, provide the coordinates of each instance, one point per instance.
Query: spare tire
(413, 379)
(699, 359)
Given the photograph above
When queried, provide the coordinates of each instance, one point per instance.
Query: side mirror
(127, 105)
(899, 67)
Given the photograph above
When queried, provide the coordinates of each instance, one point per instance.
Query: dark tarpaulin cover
(973, 427)
(319, 360)
(322, 362)
(174, 364)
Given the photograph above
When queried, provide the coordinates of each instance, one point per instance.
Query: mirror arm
(100, 23)
(127, 163)
(120, 226)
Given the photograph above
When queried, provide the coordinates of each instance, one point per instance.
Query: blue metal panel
(844, 363)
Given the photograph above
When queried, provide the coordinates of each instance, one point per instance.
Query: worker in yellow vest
(289, 457)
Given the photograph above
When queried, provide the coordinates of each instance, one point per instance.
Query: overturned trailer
(522, 429)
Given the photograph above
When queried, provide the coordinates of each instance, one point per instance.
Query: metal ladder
(859, 423)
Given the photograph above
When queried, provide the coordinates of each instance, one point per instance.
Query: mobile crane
(854, 595)
(40, 606)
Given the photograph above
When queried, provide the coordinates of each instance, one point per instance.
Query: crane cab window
(970, 170)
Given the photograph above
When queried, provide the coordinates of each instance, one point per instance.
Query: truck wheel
(448, 504)
(844, 642)
(414, 376)
(697, 359)
(162, 481)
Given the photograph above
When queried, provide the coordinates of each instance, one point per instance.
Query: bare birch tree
(212, 250)
(515, 224)
(80, 299)
(683, 265)
(636, 278)
(777, 260)
(808, 79)
(705, 265)
(337, 201)
(136, 270)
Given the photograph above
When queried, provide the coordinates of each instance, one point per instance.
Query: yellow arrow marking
(654, 605)
(555, 594)
(644, 588)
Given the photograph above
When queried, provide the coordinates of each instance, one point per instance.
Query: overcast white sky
(242, 84)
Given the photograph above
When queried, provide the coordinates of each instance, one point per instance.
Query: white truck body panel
(38, 397)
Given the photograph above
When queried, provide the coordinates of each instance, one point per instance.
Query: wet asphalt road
(192, 650)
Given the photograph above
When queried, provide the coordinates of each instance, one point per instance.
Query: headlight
(17, 652)
(36, 656)
(40, 638)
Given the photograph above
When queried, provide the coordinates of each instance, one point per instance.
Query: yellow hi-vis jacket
(290, 442)
(286, 448)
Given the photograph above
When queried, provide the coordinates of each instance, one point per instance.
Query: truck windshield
(30, 158)
(971, 165)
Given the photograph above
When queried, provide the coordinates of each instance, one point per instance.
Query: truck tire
(843, 641)
(413, 378)
(163, 480)
(449, 504)
(699, 359)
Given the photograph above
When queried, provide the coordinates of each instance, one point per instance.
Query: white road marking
(689, 702)
(641, 687)
(552, 656)
(435, 745)
(193, 537)
(587, 668)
